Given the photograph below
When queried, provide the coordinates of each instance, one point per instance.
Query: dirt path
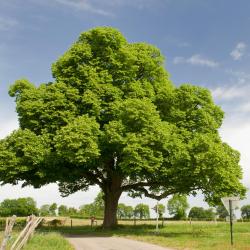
(110, 243)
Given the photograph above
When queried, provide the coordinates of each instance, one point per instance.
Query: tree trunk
(111, 198)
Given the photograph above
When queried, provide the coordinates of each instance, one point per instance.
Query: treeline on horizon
(177, 207)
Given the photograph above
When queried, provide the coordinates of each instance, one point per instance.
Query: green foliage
(18, 207)
(52, 209)
(124, 211)
(245, 212)
(44, 210)
(19, 223)
(72, 211)
(141, 211)
(201, 213)
(95, 208)
(48, 210)
(48, 241)
(63, 210)
(221, 212)
(113, 118)
(177, 206)
(160, 208)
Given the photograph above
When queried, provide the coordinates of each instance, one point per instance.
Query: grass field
(179, 235)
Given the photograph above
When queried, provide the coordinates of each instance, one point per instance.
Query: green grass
(198, 236)
(48, 241)
(178, 235)
(44, 241)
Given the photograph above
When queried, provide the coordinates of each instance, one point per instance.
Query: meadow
(176, 234)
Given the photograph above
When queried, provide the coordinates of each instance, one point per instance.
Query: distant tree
(99, 204)
(129, 212)
(196, 212)
(88, 210)
(96, 208)
(18, 207)
(161, 209)
(245, 212)
(124, 211)
(142, 211)
(121, 211)
(72, 211)
(209, 213)
(201, 213)
(63, 210)
(221, 212)
(177, 206)
(44, 210)
(52, 209)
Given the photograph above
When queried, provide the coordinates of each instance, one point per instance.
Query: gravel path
(110, 243)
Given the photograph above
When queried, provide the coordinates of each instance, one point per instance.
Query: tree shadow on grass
(122, 230)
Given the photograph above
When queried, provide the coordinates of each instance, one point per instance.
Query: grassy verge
(50, 241)
(44, 241)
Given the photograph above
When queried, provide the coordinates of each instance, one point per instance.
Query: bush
(20, 223)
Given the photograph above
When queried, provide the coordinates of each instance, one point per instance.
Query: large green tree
(112, 118)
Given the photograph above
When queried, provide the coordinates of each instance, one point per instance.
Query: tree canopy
(124, 211)
(245, 212)
(201, 213)
(221, 211)
(141, 211)
(113, 118)
(18, 207)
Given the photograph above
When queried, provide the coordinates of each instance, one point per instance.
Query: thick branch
(138, 185)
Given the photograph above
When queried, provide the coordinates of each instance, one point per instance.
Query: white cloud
(238, 51)
(231, 92)
(238, 88)
(196, 60)
(7, 127)
(7, 23)
(237, 134)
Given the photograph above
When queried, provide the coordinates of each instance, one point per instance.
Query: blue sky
(205, 43)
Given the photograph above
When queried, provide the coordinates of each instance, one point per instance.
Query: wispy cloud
(231, 92)
(7, 23)
(196, 60)
(7, 127)
(83, 5)
(99, 7)
(236, 132)
(238, 51)
(139, 4)
(238, 87)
